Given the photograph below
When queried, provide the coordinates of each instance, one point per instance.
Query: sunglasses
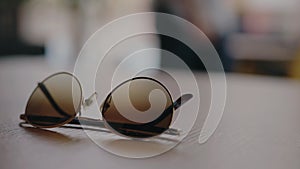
(140, 107)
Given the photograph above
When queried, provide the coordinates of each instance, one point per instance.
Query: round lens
(55, 101)
(140, 107)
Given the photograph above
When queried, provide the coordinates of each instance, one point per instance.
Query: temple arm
(181, 100)
(100, 123)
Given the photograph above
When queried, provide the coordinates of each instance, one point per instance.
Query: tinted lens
(141, 107)
(55, 101)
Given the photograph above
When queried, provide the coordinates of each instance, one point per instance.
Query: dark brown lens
(55, 101)
(141, 108)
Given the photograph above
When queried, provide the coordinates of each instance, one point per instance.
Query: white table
(260, 129)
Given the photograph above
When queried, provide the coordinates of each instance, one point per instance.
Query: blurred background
(251, 36)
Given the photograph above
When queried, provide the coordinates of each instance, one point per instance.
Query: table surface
(260, 128)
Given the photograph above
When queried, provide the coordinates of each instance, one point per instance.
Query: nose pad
(87, 102)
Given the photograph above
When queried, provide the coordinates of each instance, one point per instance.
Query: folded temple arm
(98, 123)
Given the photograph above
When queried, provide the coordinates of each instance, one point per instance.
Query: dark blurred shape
(188, 12)
(10, 42)
(179, 49)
